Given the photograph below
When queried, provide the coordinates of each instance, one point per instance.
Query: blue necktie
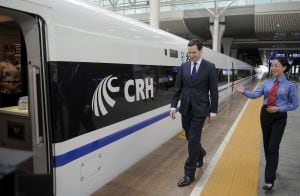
(194, 72)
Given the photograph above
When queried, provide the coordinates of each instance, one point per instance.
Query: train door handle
(35, 71)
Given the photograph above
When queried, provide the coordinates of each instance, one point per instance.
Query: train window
(234, 75)
(173, 53)
(241, 73)
(161, 79)
(222, 76)
(166, 52)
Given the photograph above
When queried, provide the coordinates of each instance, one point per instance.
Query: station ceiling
(262, 26)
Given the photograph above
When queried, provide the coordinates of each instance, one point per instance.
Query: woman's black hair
(284, 62)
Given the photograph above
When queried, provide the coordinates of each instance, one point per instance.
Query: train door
(24, 133)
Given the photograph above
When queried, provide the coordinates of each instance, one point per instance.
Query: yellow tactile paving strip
(237, 171)
(181, 135)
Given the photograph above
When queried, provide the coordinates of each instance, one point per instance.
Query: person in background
(10, 78)
(280, 96)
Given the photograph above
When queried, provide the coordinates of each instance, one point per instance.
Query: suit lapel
(188, 71)
(200, 70)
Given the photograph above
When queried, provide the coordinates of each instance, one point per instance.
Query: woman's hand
(239, 88)
(272, 109)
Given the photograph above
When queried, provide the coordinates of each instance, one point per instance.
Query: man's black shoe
(200, 161)
(185, 180)
(199, 164)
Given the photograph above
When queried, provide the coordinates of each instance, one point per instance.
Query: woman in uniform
(280, 96)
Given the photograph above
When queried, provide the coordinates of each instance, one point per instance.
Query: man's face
(194, 53)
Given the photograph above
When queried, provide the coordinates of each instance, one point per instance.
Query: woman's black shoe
(268, 187)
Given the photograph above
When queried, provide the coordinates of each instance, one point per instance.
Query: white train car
(99, 88)
(230, 71)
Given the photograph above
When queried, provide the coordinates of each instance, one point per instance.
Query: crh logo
(100, 91)
(143, 90)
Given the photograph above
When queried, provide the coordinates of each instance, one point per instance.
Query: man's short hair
(196, 42)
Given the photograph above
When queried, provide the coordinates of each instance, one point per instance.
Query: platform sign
(296, 55)
(290, 55)
(280, 55)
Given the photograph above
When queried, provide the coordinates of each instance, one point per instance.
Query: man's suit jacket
(201, 95)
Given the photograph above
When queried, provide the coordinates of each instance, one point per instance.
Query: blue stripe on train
(67, 157)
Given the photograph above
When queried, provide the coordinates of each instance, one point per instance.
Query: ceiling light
(277, 25)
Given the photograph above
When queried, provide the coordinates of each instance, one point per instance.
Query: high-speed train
(99, 87)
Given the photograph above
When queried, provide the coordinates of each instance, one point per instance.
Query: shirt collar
(198, 62)
(280, 79)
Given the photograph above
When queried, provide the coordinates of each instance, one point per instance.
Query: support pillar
(217, 29)
(215, 34)
(234, 53)
(221, 33)
(154, 13)
(227, 43)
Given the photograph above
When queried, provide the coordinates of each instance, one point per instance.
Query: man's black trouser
(192, 126)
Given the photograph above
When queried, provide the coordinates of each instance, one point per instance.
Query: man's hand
(211, 119)
(172, 113)
(272, 109)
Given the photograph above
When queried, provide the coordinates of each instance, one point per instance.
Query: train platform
(234, 164)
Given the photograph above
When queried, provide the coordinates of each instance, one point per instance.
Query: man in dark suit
(197, 87)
